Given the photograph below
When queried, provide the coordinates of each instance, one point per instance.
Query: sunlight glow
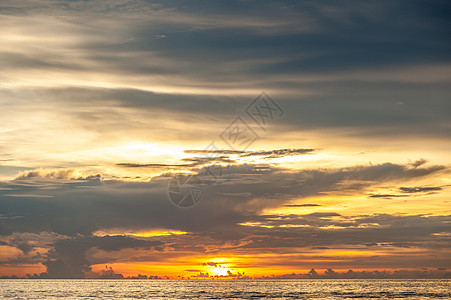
(139, 234)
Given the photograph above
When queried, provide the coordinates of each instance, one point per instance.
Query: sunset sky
(344, 162)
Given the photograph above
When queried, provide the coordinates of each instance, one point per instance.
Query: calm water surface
(225, 289)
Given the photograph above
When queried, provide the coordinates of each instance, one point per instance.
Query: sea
(224, 289)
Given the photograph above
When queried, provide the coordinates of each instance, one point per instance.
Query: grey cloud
(266, 153)
(79, 209)
(350, 274)
(232, 34)
(84, 206)
(53, 174)
(131, 165)
(279, 153)
(211, 264)
(419, 162)
(394, 232)
(387, 196)
(371, 112)
(419, 189)
(302, 205)
(219, 156)
(68, 258)
(410, 191)
(200, 275)
(329, 65)
(246, 58)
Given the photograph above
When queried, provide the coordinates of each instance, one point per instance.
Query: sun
(219, 271)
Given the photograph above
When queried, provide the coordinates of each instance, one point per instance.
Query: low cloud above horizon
(318, 136)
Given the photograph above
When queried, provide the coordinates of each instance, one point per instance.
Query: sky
(228, 139)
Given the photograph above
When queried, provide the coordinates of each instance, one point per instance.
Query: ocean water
(224, 289)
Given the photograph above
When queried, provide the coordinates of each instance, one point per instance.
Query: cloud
(42, 173)
(410, 191)
(350, 274)
(314, 44)
(301, 205)
(131, 165)
(277, 233)
(202, 275)
(143, 205)
(279, 153)
(57, 174)
(419, 163)
(419, 189)
(235, 220)
(386, 196)
(265, 153)
(237, 275)
(109, 273)
(68, 258)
